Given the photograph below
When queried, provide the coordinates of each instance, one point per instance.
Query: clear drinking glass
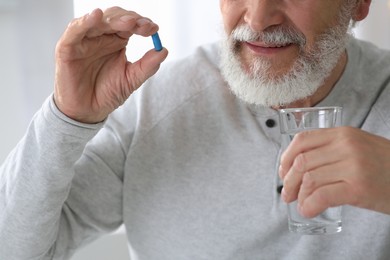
(293, 121)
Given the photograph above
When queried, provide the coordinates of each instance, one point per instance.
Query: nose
(261, 14)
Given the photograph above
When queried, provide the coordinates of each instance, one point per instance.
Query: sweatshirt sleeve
(56, 191)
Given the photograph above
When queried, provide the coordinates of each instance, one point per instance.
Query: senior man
(188, 162)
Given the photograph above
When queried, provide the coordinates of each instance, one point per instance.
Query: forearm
(35, 181)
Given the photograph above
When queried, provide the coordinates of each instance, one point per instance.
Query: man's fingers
(293, 179)
(311, 158)
(112, 21)
(302, 142)
(307, 163)
(327, 196)
(79, 27)
(141, 70)
(319, 177)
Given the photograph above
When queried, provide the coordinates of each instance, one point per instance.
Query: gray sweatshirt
(188, 168)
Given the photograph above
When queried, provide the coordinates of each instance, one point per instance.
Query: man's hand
(93, 76)
(336, 166)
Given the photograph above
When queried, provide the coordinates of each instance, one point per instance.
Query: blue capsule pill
(157, 42)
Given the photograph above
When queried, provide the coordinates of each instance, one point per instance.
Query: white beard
(307, 74)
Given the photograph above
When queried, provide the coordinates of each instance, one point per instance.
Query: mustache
(280, 35)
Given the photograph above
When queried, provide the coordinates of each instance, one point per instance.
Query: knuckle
(301, 136)
(347, 136)
(291, 186)
(345, 130)
(300, 162)
(309, 181)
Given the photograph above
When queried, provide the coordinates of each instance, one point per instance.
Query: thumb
(146, 67)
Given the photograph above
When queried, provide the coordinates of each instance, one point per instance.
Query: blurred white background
(29, 30)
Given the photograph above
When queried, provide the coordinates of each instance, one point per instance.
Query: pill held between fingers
(157, 42)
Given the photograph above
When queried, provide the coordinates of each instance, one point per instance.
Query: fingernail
(126, 18)
(92, 12)
(143, 21)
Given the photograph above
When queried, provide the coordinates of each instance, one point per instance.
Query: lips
(267, 45)
(261, 48)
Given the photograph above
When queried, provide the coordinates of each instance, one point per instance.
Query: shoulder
(368, 55)
(368, 68)
(373, 69)
(381, 110)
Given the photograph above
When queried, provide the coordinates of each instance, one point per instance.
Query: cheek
(231, 14)
(310, 30)
(315, 26)
(311, 22)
